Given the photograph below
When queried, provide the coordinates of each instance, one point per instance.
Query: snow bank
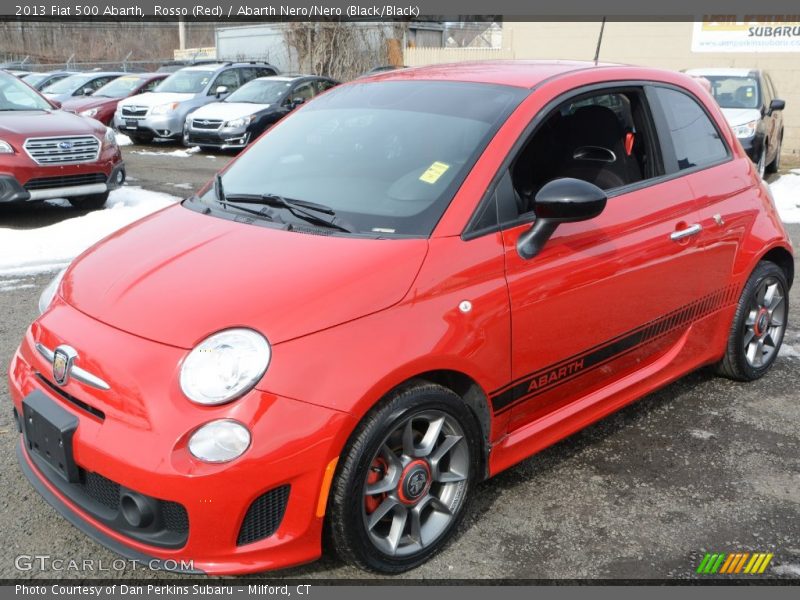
(177, 153)
(27, 251)
(786, 192)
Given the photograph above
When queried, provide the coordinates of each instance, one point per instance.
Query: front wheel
(404, 480)
(758, 325)
(91, 202)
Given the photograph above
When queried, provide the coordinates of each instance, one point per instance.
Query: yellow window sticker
(434, 172)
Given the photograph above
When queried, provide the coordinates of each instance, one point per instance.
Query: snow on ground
(177, 153)
(786, 192)
(123, 140)
(27, 251)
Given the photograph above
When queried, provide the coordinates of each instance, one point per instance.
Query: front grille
(175, 517)
(95, 412)
(102, 489)
(195, 137)
(47, 183)
(134, 112)
(264, 516)
(63, 150)
(206, 123)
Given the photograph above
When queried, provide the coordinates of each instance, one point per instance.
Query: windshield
(735, 92)
(68, 84)
(260, 92)
(121, 87)
(15, 95)
(186, 82)
(36, 78)
(387, 157)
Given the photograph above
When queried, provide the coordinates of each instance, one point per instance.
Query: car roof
(722, 72)
(518, 73)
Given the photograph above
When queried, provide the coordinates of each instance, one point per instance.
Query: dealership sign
(723, 33)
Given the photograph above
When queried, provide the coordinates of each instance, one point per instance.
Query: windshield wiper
(299, 208)
(223, 199)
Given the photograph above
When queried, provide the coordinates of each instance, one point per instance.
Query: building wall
(657, 44)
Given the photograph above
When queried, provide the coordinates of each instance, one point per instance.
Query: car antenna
(599, 41)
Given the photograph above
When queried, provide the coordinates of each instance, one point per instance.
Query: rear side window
(696, 141)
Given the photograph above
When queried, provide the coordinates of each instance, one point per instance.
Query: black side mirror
(297, 102)
(564, 200)
(777, 104)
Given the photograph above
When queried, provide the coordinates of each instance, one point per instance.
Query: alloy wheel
(416, 483)
(765, 323)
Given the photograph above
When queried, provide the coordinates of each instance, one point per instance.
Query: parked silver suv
(162, 112)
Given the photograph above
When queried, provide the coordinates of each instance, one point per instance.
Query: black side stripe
(549, 377)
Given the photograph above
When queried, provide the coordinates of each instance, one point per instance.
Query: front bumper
(142, 446)
(24, 181)
(224, 138)
(164, 126)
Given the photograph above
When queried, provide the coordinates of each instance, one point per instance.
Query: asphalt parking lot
(704, 465)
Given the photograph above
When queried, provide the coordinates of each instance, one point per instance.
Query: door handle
(684, 233)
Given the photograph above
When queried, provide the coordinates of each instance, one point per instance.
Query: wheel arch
(784, 259)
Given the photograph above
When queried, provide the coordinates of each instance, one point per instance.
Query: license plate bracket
(48, 430)
(131, 124)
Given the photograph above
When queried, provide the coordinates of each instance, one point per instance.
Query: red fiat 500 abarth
(408, 285)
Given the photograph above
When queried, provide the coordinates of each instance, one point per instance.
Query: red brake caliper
(377, 471)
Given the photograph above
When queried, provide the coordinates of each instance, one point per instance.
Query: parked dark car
(251, 110)
(39, 81)
(103, 103)
(752, 108)
(80, 84)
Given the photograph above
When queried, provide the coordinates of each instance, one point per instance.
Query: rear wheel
(758, 325)
(91, 202)
(403, 483)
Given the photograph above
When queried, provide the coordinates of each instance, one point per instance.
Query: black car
(755, 113)
(250, 110)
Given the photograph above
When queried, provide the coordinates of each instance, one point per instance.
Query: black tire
(736, 364)
(139, 138)
(347, 530)
(91, 202)
(775, 165)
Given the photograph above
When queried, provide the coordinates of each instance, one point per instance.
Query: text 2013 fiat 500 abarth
(408, 285)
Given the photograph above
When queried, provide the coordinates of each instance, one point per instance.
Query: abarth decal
(554, 375)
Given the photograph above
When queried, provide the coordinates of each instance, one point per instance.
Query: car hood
(48, 123)
(178, 276)
(740, 116)
(79, 104)
(151, 99)
(228, 110)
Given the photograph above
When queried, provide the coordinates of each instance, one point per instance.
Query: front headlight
(110, 138)
(219, 441)
(5, 148)
(89, 113)
(163, 109)
(240, 122)
(747, 130)
(225, 366)
(49, 292)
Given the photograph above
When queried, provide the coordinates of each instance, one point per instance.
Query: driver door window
(228, 79)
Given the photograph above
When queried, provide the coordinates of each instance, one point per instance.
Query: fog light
(219, 441)
(120, 177)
